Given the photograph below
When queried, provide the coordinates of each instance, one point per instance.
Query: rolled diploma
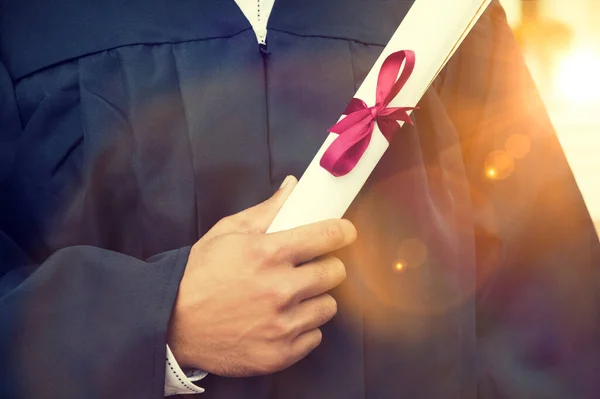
(433, 29)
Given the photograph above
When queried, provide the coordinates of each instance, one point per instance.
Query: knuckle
(267, 204)
(227, 224)
(238, 222)
(282, 295)
(280, 329)
(245, 224)
(260, 250)
(268, 249)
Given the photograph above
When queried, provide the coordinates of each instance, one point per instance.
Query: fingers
(309, 315)
(306, 343)
(313, 313)
(318, 276)
(304, 243)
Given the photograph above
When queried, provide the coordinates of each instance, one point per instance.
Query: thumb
(261, 216)
(258, 218)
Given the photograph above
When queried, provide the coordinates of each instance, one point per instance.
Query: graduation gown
(127, 129)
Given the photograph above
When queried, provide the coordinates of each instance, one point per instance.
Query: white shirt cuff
(177, 382)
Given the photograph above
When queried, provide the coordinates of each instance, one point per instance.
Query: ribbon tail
(400, 114)
(388, 128)
(345, 151)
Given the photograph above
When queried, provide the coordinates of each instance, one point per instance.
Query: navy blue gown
(128, 128)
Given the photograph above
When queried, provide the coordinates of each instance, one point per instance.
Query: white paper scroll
(433, 29)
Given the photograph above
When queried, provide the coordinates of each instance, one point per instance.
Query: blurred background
(561, 43)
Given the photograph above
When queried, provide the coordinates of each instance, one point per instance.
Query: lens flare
(400, 265)
(518, 146)
(412, 252)
(499, 165)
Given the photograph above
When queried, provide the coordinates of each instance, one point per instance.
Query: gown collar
(257, 12)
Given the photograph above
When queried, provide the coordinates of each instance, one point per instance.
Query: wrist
(175, 341)
(179, 352)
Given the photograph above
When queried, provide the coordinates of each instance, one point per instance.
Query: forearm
(87, 316)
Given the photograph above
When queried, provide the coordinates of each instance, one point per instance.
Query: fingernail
(286, 181)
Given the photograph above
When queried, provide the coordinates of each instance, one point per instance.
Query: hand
(252, 303)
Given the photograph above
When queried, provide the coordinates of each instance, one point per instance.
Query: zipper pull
(262, 47)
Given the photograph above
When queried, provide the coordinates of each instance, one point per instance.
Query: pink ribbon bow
(356, 129)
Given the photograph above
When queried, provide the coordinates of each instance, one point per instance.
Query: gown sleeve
(538, 257)
(86, 322)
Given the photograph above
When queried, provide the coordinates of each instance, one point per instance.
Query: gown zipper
(261, 36)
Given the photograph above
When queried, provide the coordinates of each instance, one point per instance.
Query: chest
(178, 113)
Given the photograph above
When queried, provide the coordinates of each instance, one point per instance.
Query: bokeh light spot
(518, 146)
(400, 265)
(499, 165)
(412, 252)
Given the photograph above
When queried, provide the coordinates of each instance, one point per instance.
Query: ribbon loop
(356, 129)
